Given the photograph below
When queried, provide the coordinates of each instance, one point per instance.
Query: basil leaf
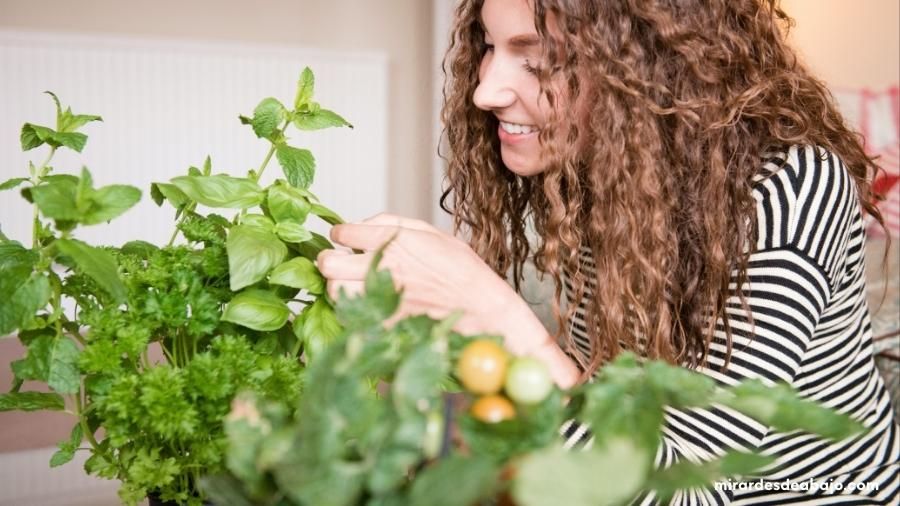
(252, 253)
(316, 327)
(327, 215)
(289, 231)
(258, 310)
(300, 273)
(259, 221)
(220, 191)
(287, 203)
(167, 191)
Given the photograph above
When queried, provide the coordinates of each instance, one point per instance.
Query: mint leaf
(71, 140)
(71, 122)
(67, 448)
(64, 376)
(29, 137)
(12, 183)
(53, 360)
(23, 293)
(22, 301)
(221, 191)
(323, 118)
(252, 253)
(258, 310)
(289, 231)
(298, 165)
(267, 118)
(299, 273)
(286, 203)
(109, 202)
(96, 263)
(31, 401)
(305, 88)
(57, 198)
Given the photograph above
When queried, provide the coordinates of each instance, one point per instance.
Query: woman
(698, 199)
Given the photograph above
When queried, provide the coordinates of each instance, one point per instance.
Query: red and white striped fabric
(876, 114)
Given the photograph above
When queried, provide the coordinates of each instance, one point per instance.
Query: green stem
(35, 180)
(271, 152)
(188, 209)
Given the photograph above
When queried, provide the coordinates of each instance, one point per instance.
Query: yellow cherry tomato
(492, 409)
(482, 367)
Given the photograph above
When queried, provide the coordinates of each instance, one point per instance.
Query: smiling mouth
(518, 129)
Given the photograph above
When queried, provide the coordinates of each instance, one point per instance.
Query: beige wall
(849, 43)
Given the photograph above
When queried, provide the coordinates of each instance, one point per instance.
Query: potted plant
(461, 422)
(239, 306)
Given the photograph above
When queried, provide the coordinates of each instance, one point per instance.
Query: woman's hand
(440, 274)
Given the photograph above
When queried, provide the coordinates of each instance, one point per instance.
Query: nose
(495, 88)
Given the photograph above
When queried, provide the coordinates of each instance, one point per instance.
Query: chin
(523, 168)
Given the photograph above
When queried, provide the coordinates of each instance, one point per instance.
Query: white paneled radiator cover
(167, 104)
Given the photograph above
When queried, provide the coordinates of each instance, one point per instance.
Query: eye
(531, 69)
(488, 48)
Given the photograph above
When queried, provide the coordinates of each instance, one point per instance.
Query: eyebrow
(525, 41)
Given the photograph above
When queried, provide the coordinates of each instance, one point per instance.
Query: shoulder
(806, 200)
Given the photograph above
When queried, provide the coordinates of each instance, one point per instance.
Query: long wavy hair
(684, 98)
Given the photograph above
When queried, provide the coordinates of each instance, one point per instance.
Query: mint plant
(344, 445)
(240, 306)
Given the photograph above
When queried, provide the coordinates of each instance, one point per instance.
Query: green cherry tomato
(528, 381)
(482, 367)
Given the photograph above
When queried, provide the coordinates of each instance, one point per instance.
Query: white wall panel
(168, 104)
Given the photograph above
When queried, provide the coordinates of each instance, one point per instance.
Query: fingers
(350, 288)
(387, 219)
(364, 236)
(343, 265)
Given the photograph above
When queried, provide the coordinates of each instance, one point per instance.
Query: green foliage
(348, 445)
(217, 308)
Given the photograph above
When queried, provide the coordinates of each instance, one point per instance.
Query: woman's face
(508, 85)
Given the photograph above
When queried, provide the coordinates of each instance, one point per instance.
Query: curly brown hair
(685, 97)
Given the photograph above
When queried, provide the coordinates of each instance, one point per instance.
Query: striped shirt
(806, 292)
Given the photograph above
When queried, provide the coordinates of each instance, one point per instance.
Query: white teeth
(514, 128)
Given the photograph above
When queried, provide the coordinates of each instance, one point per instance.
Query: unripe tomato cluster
(485, 369)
